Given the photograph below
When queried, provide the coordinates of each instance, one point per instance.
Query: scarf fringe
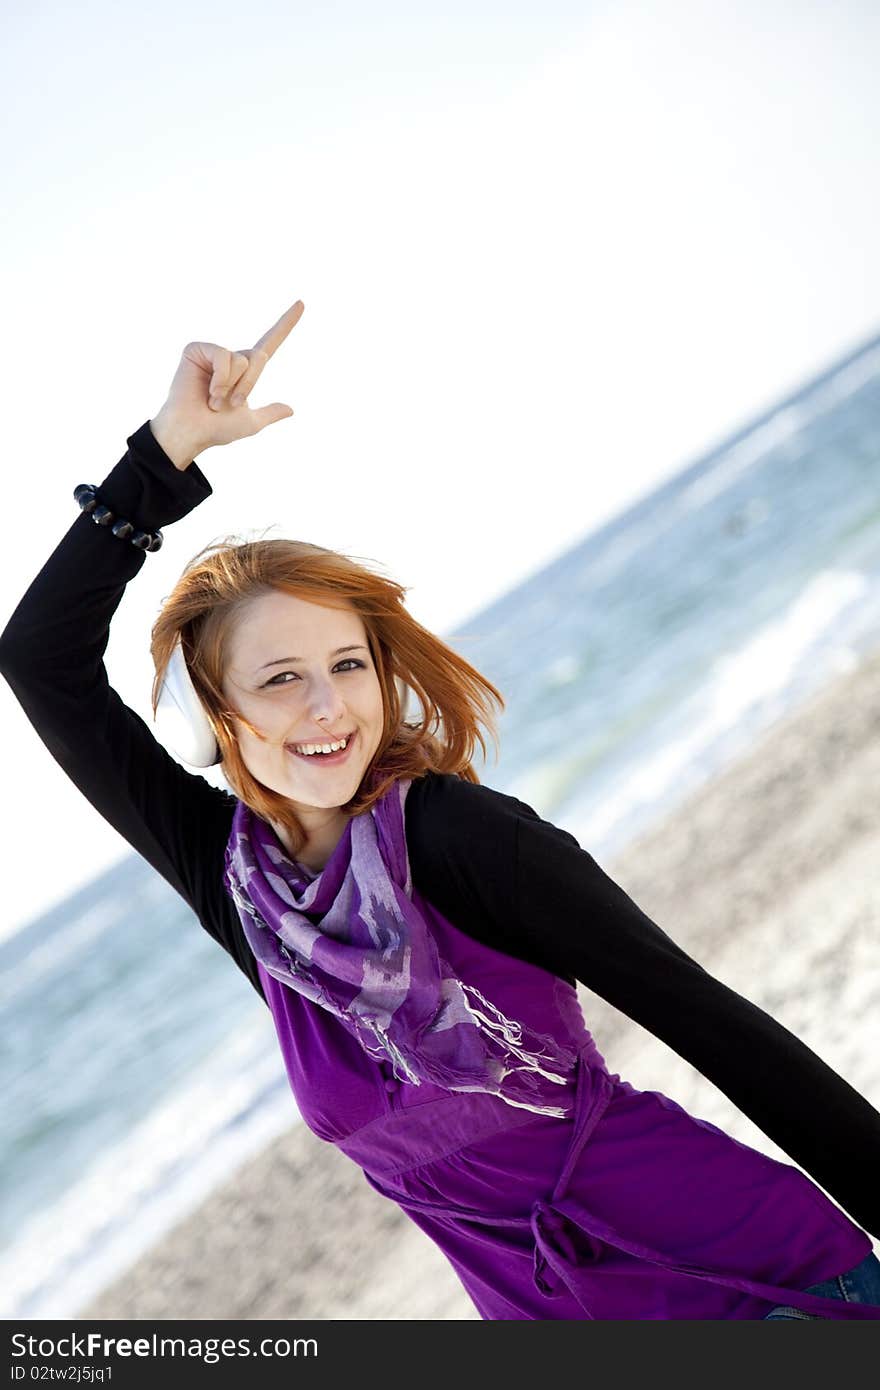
(389, 1048)
(504, 1030)
(557, 1112)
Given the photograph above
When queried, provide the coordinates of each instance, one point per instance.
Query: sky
(550, 255)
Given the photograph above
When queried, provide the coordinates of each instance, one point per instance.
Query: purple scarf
(373, 962)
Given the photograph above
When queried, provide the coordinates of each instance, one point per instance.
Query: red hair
(210, 598)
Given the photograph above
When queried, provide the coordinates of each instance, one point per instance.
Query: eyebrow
(295, 660)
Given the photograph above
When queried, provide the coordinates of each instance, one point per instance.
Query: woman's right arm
(51, 654)
(52, 649)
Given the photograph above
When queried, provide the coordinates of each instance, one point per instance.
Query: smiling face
(286, 674)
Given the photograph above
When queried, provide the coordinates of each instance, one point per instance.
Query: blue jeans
(861, 1284)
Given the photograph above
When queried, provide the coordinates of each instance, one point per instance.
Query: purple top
(633, 1209)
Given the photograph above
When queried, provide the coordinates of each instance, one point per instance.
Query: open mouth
(324, 759)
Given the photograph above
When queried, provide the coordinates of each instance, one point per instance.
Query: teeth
(310, 748)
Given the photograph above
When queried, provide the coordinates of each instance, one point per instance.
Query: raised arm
(51, 654)
(52, 649)
(528, 887)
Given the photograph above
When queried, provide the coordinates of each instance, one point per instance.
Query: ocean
(140, 1067)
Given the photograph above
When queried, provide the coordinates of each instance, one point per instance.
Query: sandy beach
(769, 876)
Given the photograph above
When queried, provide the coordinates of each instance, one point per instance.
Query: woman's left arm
(608, 943)
(531, 889)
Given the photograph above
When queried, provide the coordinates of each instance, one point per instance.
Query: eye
(350, 661)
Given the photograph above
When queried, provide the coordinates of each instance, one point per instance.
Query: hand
(200, 411)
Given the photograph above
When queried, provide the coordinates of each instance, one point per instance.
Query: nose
(325, 703)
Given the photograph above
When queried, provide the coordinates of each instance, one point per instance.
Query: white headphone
(180, 719)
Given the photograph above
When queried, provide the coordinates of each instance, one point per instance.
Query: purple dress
(632, 1209)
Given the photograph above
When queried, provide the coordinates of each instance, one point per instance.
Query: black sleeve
(494, 867)
(51, 655)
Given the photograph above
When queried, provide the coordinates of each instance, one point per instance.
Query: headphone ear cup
(403, 694)
(180, 720)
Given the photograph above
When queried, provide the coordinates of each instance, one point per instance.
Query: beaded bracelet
(87, 497)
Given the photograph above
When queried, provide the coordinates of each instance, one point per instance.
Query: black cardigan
(486, 860)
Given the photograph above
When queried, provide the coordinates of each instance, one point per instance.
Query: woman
(418, 936)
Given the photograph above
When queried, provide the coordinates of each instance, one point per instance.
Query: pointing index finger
(272, 340)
